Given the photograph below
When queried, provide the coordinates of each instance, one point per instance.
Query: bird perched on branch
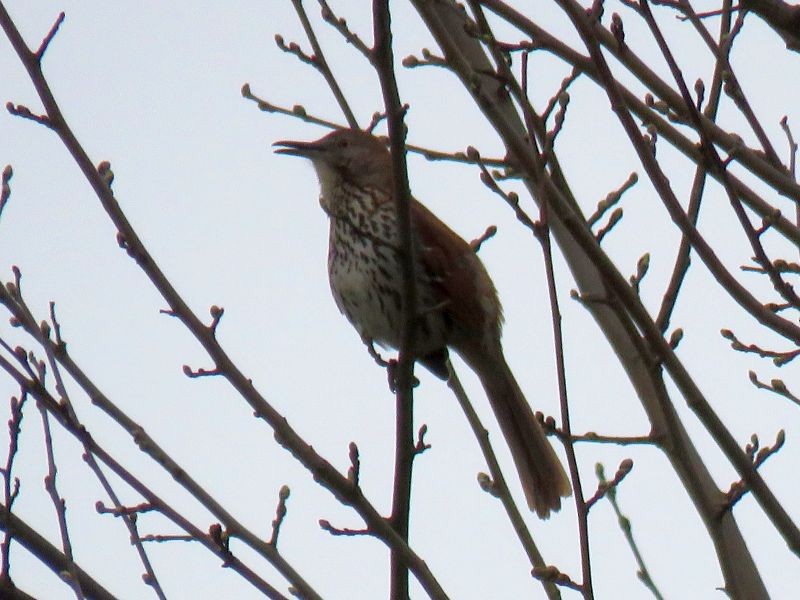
(457, 304)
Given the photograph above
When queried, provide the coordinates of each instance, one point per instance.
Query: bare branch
(50, 556)
(758, 456)
(404, 430)
(496, 484)
(792, 145)
(775, 385)
(612, 198)
(562, 89)
(642, 266)
(779, 358)
(297, 111)
(11, 486)
(553, 576)
(347, 532)
(49, 37)
(5, 189)
(606, 486)
(620, 440)
(60, 505)
(625, 525)
(201, 372)
(340, 24)
(280, 515)
(490, 232)
(317, 60)
(18, 110)
(616, 217)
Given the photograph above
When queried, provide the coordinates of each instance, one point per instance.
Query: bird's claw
(391, 371)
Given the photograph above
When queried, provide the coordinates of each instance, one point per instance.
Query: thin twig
(759, 456)
(49, 37)
(510, 198)
(625, 525)
(792, 161)
(11, 487)
(319, 62)
(792, 145)
(604, 487)
(5, 188)
(779, 264)
(620, 440)
(497, 485)
(778, 358)
(19, 110)
(476, 244)
(280, 514)
(149, 576)
(50, 480)
(614, 218)
(776, 386)
(611, 199)
(343, 531)
(562, 89)
(582, 509)
(340, 24)
(164, 538)
(551, 575)
(642, 267)
(298, 111)
(60, 505)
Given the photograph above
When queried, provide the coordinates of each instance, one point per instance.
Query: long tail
(543, 478)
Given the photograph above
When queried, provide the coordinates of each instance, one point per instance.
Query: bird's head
(345, 155)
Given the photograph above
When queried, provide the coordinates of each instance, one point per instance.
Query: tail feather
(543, 478)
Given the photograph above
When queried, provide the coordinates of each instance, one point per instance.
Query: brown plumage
(457, 300)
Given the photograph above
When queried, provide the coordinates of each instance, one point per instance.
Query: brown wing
(471, 299)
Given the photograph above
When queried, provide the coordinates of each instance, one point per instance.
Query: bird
(458, 307)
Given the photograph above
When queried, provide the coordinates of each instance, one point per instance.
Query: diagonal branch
(50, 556)
(499, 488)
(318, 59)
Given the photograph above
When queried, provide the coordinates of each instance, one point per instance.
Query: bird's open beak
(304, 149)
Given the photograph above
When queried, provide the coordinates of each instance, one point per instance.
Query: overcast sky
(154, 88)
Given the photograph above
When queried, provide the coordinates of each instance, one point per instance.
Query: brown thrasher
(456, 299)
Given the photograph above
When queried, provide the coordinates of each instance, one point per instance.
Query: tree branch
(404, 438)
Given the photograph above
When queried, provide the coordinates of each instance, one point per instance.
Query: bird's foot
(391, 371)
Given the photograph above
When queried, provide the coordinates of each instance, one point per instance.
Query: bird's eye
(343, 144)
